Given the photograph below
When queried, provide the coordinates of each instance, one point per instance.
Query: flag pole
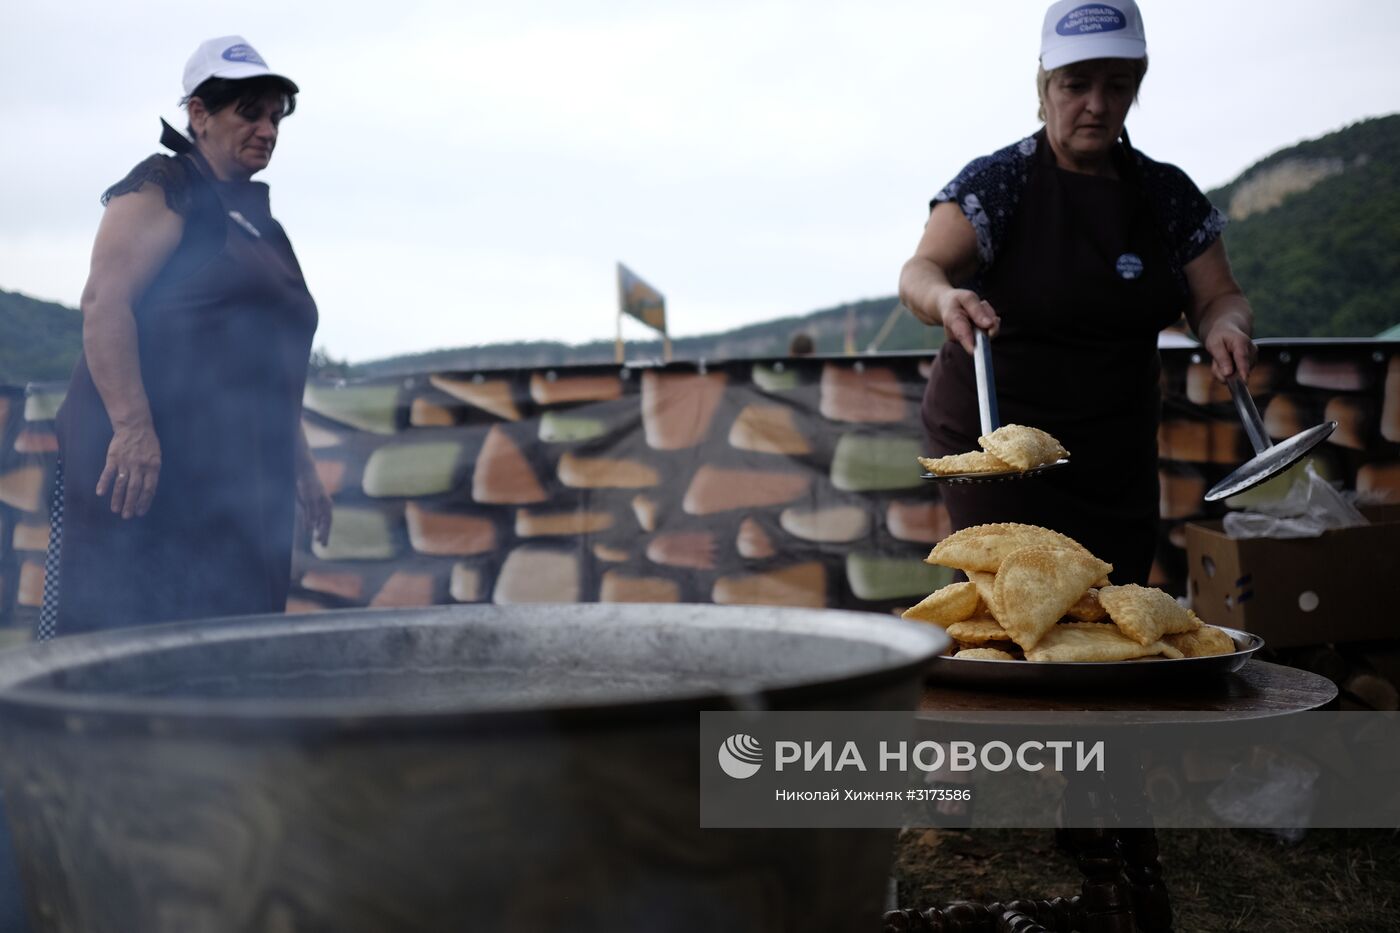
(618, 354)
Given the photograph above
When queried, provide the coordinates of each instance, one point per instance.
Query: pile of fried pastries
(1011, 448)
(1038, 595)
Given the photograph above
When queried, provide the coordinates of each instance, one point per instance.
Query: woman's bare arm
(135, 239)
(946, 253)
(1219, 313)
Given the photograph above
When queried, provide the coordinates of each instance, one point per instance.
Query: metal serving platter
(1092, 675)
(967, 479)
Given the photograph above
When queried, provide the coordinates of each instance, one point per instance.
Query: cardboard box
(1341, 586)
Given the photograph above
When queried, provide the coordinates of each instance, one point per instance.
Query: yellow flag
(640, 300)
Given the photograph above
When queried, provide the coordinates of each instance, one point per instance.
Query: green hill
(1314, 239)
(39, 340)
(827, 329)
(1314, 236)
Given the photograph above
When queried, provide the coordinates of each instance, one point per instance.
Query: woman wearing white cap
(1074, 250)
(182, 454)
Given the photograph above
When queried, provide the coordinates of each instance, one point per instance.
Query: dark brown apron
(224, 334)
(1083, 287)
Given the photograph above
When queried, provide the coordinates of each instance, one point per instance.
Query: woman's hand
(313, 500)
(961, 310)
(132, 471)
(1231, 350)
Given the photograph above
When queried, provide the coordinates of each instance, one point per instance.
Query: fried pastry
(1088, 608)
(952, 603)
(986, 588)
(976, 461)
(1093, 641)
(982, 547)
(985, 654)
(1203, 642)
(1036, 586)
(1145, 614)
(1021, 446)
(977, 632)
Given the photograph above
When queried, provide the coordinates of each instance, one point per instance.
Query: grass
(1338, 881)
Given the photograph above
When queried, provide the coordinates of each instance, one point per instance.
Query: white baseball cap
(228, 57)
(1075, 31)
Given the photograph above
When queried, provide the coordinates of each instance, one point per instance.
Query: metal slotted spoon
(991, 420)
(1269, 459)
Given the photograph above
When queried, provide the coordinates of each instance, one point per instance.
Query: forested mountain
(827, 328)
(39, 340)
(1315, 234)
(1314, 238)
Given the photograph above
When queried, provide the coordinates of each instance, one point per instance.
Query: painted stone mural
(776, 481)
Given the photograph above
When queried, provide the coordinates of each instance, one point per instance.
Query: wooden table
(1123, 889)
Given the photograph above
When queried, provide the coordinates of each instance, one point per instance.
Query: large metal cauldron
(530, 768)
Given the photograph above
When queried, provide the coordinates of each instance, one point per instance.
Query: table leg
(1151, 903)
(1138, 848)
(1123, 889)
(1106, 897)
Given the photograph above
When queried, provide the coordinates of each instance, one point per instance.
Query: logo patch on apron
(1129, 266)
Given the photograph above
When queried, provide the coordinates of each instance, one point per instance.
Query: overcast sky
(466, 172)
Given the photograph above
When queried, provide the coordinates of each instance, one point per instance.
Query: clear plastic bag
(1272, 789)
(1312, 506)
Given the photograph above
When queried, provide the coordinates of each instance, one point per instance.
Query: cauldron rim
(50, 707)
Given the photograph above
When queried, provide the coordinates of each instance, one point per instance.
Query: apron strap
(174, 140)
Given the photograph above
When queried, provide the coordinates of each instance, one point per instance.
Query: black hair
(241, 94)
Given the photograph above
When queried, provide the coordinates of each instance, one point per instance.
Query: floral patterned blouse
(989, 189)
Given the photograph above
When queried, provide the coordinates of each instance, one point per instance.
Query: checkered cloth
(48, 611)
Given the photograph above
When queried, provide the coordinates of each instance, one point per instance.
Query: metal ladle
(990, 420)
(1270, 459)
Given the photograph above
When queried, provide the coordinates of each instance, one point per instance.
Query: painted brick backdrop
(782, 481)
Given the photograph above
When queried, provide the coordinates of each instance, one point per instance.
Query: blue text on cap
(243, 53)
(1091, 18)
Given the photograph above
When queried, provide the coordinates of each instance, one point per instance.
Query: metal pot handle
(1249, 415)
(986, 383)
